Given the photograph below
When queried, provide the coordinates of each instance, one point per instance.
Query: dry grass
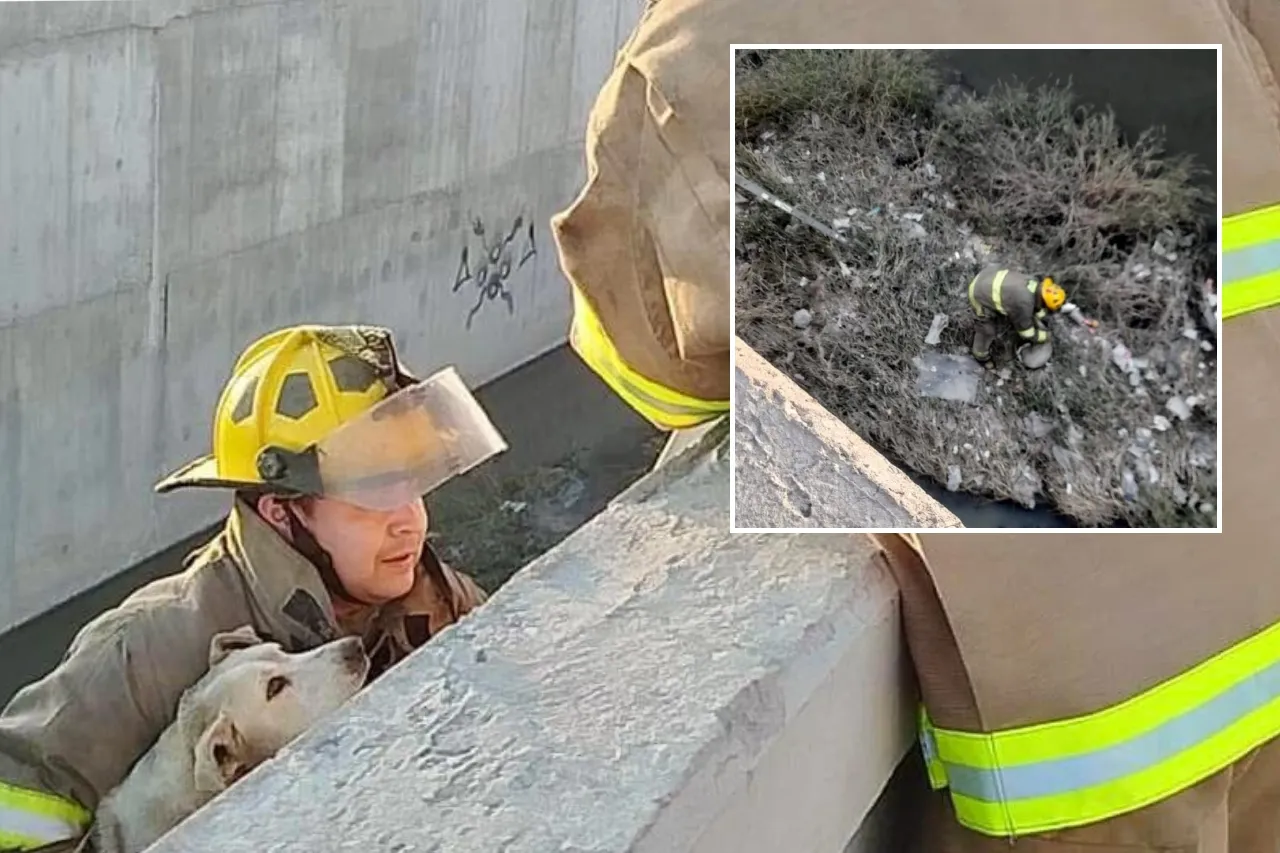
(490, 527)
(870, 135)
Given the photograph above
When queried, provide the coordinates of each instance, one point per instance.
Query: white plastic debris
(953, 477)
(842, 224)
(915, 230)
(1178, 407)
(1122, 358)
(1129, 485)
(934, 337)
(802, 318)
(913, 217)
(1160, 422)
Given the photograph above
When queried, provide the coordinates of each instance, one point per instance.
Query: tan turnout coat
(998, 639)
(78, 731)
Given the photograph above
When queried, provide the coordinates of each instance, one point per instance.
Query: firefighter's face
(375, 552)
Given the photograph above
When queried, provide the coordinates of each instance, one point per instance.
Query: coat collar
(284, 584)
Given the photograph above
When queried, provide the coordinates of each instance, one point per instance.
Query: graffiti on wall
(500, 256)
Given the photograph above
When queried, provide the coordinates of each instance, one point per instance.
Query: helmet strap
(305, 543)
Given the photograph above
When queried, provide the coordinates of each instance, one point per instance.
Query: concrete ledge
(798, 465)
(654, 683)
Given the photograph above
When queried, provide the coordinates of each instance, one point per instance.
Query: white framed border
(733, 264)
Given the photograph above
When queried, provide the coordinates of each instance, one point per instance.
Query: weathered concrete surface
(180, 176)
(654, 684)
(798, 465)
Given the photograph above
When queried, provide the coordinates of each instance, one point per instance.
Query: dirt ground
(927, 182)
(489, 527)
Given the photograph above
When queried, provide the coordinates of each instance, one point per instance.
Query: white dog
(254, 699)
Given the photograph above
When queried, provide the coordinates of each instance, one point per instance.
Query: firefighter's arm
(82, 726)
(1032, 326)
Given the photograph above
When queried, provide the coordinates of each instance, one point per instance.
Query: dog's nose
(353, 652)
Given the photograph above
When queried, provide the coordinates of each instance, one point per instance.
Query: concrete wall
(798, 465)
(654, 684)
(179, 176)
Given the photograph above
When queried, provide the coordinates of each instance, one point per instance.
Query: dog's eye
(275, 685)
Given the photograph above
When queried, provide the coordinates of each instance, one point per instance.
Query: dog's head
(256, 698)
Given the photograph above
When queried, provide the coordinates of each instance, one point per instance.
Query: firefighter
(1025, 301)
(328, 444)
(1101, 693)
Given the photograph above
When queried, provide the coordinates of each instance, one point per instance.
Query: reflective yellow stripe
(1250, 261)
(30, 819)
(1085, 769)
(666, 408)
(1027, 333)
(973, 299)
(996, 285)
(929, 747)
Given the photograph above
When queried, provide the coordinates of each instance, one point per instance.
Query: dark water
(974, 511)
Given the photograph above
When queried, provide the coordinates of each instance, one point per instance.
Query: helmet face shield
(406, 445)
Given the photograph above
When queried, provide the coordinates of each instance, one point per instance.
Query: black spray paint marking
(497, 263)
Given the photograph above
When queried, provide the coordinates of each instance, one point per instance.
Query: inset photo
(976, 288)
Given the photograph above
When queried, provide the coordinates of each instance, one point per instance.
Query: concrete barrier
(653, 684)
(179, 176)
(798, 465)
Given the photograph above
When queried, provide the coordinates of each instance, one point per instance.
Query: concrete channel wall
(798, 465)
(653, 684)
(179, 176)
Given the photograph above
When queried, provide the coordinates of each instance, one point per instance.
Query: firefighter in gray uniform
(1025, 301)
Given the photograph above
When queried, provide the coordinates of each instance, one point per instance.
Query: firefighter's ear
(229, 641)
(220, 756)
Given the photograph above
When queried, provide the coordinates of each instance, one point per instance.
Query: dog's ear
(228, 641)
(221, 756)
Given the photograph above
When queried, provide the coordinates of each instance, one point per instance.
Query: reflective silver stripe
(1045, 778)
(36, 829)
(1250, 261)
